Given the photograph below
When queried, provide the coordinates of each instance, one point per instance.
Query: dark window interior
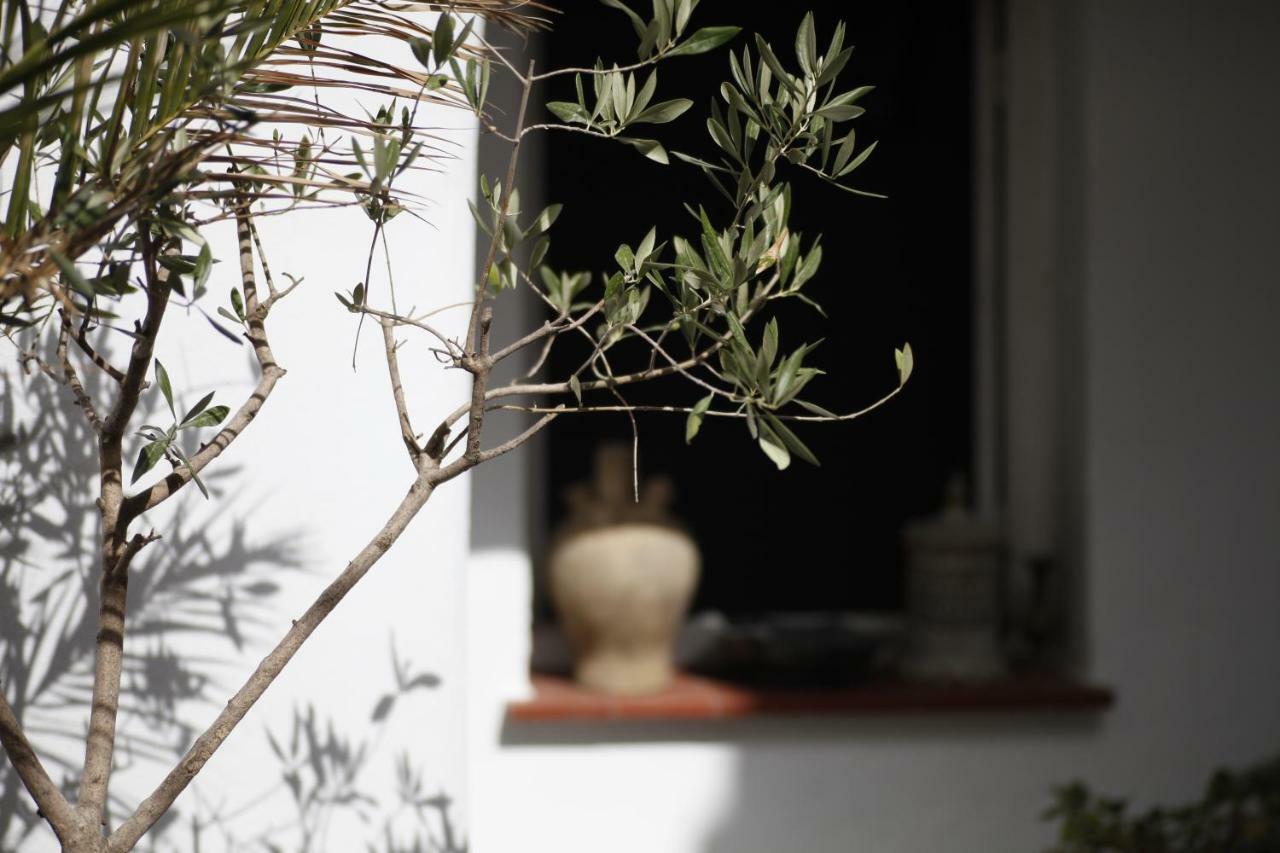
(804, 539)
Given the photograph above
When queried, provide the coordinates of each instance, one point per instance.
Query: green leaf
(545, 219)
(739, 335)
(539, 251)
(664, 112)
(442, 39)
(210, 418)
(906, 363)
(808, 267)
(162, 379)
(773, 448)
(70, 273)
(703, 40)
(769, 347)
(197, 408)
(816, 409)
(148, 456)
(569, 111)
(421, 49)
(807, 44)
(840, 112)
(789, 439)
(575, 385)
(625, 258)
(645, 249)
(771, 59)
(650, 148)
(857, 161)
(694, 423)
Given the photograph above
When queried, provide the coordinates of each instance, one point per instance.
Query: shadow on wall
(206, 580)
(840, 788)
(848, 785)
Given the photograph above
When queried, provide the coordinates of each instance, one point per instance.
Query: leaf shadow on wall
(207, 578)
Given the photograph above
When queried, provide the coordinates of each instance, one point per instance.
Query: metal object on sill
(953, 594)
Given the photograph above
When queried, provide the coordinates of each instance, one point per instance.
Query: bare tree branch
(397, 392)
(60, 814)
(114, 585)
(82, 340)
(256, 312)
(72, 379)
(153, 807)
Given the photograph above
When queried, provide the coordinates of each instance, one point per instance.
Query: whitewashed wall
(1170, 211)
(308, 485)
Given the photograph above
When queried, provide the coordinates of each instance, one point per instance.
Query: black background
(893, 270)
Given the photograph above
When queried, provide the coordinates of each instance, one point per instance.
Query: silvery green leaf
(808, 267)
(906, 363)
(703, 40)
(859, 160)
(843, 153)
(664, 112)
(650, 148)
(834, 66)
(840, 112)
(816, 409)
(421, 51)
(769, 347)
(545, 219)
(684, 8)
(70, 274)
(197, 408)
(209, 418)
(148, 456)
(694, 423)
(162, 379)
(773, 448)
(442, 38)
(807, 44)
(789, 439)
(539, 251)
(569, 111)
(645, 249)
(770, 58)
(645, 95)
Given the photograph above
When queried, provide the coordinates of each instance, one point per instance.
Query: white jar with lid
(953, 595)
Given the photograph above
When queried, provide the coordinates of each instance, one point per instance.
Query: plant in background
(128, 126)
(1239, 813)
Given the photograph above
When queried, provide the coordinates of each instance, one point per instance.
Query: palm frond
(130, 97)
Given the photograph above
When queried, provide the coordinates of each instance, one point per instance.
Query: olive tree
(128, 126)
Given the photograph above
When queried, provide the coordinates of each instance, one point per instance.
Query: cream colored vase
(622, 593)
(622, 574)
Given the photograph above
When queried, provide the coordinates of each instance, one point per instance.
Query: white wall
(308, 485)
(1169, 200)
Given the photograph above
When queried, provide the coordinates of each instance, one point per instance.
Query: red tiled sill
(695, 698)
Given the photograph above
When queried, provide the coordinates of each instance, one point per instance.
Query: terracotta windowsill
(696, 698)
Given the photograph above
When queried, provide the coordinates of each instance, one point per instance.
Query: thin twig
(269, 374)
(82, 340)
(385, 317)
(397, 393)
(72, 379)
(711, 413)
